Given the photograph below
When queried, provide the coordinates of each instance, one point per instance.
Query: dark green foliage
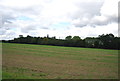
(68, 38)
(107, 41)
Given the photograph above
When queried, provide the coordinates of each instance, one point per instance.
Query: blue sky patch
(24, 18)
(61, 25)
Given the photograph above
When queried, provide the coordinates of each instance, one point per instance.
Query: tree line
(108, 41)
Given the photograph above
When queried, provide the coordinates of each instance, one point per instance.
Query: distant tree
(90, 41)
(107, 40)
(47, 36)
(68, 41)
(68, 38)
(76, 38)
(20, 36)
(39, 40)
(45, 41)
(76, 41)
(29, 39)
(54, 37)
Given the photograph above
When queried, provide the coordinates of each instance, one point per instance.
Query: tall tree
(68, 37)
(107, 40)
(76, 38)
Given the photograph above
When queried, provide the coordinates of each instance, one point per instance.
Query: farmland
(25, 61)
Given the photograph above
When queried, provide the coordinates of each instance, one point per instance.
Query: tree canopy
(108, 41)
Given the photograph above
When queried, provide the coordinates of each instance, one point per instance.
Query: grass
(53, 62)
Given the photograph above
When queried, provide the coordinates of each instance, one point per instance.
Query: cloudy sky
(60, 18)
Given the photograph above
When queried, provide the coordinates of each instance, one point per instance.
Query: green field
(25, 61)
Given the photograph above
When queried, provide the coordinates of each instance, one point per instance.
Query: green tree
(68, 38)
(68, 41)
(76, 41)
(107, 40)
(76, 38)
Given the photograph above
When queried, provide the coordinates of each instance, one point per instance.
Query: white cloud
(102, 14)
(39, 17)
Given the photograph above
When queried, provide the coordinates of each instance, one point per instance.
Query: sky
(60, 18)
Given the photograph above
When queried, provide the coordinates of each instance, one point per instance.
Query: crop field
(26, 61)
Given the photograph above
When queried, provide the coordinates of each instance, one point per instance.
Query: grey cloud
(2, 31)
(114, 18)
(97, 22)
(6, 19)
(88, 9)
(8, 35)
(45, 28)
(6, 16)
(32, 10)
(81, 23)
(28, 28)
(108, 20)
(41, 17)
